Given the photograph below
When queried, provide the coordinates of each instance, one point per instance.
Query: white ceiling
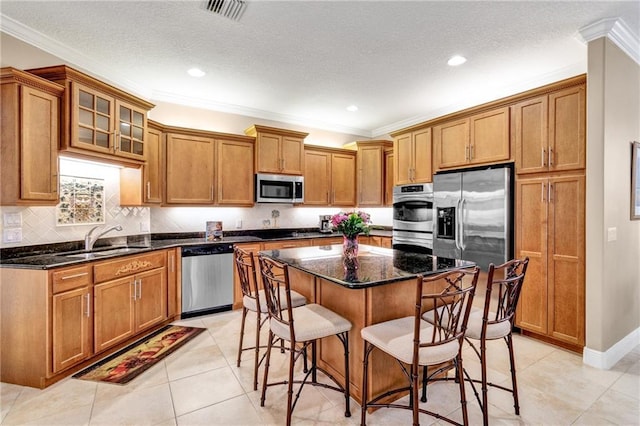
(304, 62)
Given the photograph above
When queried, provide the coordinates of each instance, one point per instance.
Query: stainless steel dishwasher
(207, 279)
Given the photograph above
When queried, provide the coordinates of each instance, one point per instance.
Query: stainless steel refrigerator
(473, 215)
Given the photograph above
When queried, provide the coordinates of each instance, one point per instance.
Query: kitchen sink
(102, 253)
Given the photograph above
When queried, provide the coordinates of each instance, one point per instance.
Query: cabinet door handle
(148, 190)
(550, 197)
(550, 157)
(88, 312)
(542, 192)
(139, 289)
(212, 197)
(135, 293)
(544, 157)
(471, 152)
(116, 142)
(466, 153)
(68, 277)
(283, 164)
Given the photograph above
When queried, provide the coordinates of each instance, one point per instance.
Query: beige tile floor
(201, 385)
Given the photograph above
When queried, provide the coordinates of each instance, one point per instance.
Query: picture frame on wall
(635, 180)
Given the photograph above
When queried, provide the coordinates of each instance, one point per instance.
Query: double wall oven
(413, 217)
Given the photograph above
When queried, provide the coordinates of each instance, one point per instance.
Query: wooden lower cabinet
(54, 322)
(550, 230)
(71, 324)
(128, 305)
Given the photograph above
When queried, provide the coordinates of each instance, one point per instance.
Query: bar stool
(417, 343)
(494, 322)
(253, 299)
(301, 327)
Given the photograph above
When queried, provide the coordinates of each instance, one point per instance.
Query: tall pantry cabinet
(549, 134)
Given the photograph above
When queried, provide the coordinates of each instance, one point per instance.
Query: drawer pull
(68, 277)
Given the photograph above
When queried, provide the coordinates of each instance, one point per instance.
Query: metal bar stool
(253, 299)
(301, 327)
(415, 343)
(494, 322)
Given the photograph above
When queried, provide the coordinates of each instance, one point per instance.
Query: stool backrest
(246, 268)
(275, 282)
(452, 302)
(504, 291)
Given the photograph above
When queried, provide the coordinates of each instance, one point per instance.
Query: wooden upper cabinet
(479, 139)
(235, 173)
(153, 170)
(550, 131)
(412, 157)
(206, 168)
(278, 151)
(330, 177)
(371, 172)
(190, 169)
(30, 138)
(388, 177)
(100, 121)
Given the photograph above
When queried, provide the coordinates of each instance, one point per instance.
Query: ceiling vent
(232, 9)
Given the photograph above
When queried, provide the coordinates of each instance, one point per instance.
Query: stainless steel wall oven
(413, 217)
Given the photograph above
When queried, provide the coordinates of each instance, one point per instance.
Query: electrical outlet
(238, 223)
(12, 235)
(13, 220)
(145, 227)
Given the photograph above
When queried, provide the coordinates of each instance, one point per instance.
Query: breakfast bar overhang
(381, 288)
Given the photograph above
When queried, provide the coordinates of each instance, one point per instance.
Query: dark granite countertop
(48, 256)
(376, 265)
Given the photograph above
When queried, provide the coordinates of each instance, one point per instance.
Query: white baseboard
(609, 358)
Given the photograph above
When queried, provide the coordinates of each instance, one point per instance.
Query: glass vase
(350, 258)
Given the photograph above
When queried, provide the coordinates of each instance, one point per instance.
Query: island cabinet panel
(30, 138)
(549, 131)
(235, 173)
(550, 229)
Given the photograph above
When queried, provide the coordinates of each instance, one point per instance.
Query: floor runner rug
(128, 363)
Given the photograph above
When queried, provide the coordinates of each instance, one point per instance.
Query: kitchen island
(382, 288)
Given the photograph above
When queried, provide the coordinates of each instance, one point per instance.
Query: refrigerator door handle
(462, 244)
(458, 219)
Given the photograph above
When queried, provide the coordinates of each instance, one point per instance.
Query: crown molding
(254, 112)
(71, 57)
(540, 80)
(616, 30)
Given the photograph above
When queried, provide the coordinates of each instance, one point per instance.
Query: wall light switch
(612, 234)
(12, 235)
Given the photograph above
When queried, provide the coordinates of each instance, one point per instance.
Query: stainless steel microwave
(279, 189)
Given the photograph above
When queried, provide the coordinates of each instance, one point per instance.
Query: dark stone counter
(48, 256)
(376, 265)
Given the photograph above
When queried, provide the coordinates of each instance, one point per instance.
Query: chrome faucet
(90, 240)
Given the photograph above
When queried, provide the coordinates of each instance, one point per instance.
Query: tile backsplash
(38, 224)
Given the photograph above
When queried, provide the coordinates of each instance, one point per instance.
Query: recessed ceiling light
(195, 72)
(456, 60)
(352, 108)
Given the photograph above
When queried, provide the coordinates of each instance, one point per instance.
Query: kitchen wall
(612, 267)
(39, 224)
